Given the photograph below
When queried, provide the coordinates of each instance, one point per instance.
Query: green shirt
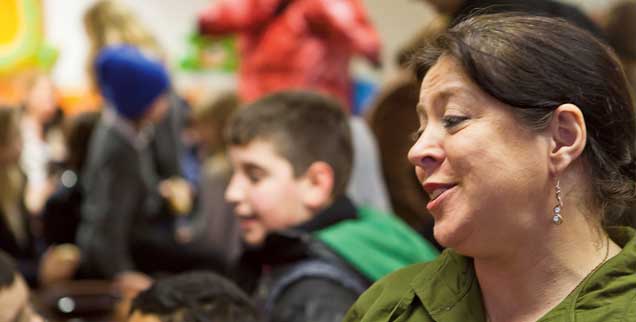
(446, 290)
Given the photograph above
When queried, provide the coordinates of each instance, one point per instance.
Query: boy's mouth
(246, 221)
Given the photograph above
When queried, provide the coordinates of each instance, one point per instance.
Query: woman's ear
(568, 137)
(318, 184)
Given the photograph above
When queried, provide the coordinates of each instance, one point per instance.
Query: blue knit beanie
(129, 80)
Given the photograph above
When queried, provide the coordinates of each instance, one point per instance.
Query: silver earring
(557, 219)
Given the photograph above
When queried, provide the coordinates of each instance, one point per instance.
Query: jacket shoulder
(313, 299)
(383, 297)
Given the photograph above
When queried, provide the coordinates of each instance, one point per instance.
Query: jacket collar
(341, 209)
(449, 290)
(295, 243)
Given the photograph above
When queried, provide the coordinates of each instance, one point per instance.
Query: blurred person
(42, 139)
(16, 236)
(314, 250)
(128, 224)
(62, 212)
(301, 44)
(215, 228)
(193, 297)
(458, 10)
(122, 207)
(393, 120)
(526, 150)
(109, 23)
(14, 294)
(621, 28)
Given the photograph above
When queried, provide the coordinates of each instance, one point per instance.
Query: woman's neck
(526, 284)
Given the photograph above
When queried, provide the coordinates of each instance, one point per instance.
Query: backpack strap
(313, 268)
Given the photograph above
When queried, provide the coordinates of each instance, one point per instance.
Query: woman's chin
(449, 237)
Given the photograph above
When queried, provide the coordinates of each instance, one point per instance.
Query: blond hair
(11, 179)
(108, 22)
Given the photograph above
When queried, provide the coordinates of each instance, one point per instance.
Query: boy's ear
(318, 184)
(568, 137)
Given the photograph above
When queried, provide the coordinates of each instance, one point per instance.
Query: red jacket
(305, 44)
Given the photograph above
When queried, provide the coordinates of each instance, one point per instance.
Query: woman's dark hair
(535, 64)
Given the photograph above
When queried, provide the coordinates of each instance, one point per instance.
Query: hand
(178, 193)
(59, 263)
(129, 284)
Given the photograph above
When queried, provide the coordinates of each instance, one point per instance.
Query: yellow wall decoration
(21, 37)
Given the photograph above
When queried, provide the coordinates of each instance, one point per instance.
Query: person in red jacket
(287, 44)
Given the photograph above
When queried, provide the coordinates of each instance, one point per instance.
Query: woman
(527, 151)
(42, 138)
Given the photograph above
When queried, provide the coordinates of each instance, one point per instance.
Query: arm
(347, 19)
(110, 206)
(313, 299)
(228, 16)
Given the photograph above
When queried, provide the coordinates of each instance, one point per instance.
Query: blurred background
(50, 34)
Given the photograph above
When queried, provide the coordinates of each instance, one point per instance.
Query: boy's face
(265, 194)
(15, 304)
(158, 110)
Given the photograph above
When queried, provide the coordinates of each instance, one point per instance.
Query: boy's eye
(254, 176)
(451, 121)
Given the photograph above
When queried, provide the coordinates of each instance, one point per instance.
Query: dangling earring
(557, 219)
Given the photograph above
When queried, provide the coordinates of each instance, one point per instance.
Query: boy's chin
(254, 238)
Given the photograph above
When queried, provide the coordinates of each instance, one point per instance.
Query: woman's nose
(427, 152)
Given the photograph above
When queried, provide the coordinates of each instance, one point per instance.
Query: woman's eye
(451, 121)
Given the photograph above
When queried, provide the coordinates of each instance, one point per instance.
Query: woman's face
(485, 173)
(41, 101)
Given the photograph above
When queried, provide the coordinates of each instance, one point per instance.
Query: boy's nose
(234, 192)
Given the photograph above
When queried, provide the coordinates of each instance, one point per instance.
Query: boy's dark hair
(195, 297)
(304, 127)
(8, 270)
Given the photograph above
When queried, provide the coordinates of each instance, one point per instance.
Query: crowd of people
(494, 180)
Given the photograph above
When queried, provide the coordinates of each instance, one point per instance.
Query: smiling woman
(526, 149)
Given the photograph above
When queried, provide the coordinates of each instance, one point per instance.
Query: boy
(193, 297)
(292, 155)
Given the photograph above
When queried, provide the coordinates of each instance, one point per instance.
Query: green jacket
(446, 290)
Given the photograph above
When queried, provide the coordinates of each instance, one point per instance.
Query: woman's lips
(438, 196)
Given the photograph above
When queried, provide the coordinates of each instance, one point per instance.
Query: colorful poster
(21, 36)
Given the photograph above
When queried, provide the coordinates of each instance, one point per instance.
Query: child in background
(124, 217)
(193, 297)
(314, 250)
